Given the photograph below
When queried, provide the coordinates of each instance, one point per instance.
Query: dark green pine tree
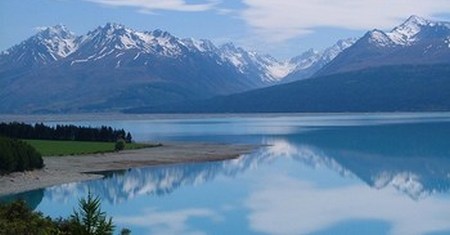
(129, 138)
(90, 219)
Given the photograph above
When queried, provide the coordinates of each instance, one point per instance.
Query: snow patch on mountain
(331, 52)
(415, 41)
(278, 71)
(306, 64)
(235, 56)
(305, 60)
(48, 45)
(201, 45)
(380, 39)
(59, 41)
(406, 34)
(268, 68)
(116, 38)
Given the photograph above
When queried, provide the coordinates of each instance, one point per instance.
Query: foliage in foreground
(89, 219)
(18, 218)
(16, 155)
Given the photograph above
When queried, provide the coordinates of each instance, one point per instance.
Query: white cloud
(151, 5)
(169, 222)
(278, 21)
(284, 205)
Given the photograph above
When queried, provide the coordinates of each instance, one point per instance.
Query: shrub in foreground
(16, 155)
(18, 218)
(120, 145)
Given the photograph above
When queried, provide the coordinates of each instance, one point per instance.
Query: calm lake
(318, 174)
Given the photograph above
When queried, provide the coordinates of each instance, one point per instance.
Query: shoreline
(37, 118)
(67, 169)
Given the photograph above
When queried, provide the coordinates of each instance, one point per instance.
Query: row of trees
(62, 132)
(16, 155)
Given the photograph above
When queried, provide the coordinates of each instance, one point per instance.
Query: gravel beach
(59, 170)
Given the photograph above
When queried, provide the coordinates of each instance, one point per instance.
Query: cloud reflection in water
(285, 205)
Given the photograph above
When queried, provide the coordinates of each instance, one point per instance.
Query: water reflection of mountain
(414, 158)
(118, 187)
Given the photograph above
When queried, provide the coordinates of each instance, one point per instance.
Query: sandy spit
(60, 170)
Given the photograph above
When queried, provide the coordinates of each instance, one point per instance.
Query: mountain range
(113, 68)
(405, 69)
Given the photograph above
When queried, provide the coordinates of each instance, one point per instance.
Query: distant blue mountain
(406, 69)
(114, 67)
(383, 89)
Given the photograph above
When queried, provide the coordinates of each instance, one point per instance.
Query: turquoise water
(318, 174)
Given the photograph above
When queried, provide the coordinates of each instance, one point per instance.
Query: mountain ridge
(115, 36)
(112, 67)
(415, 41)
(405, 88)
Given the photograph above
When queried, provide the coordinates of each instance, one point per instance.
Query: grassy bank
(64, 148)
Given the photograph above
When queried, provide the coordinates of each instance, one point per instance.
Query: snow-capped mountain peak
(116, 39)
(230, 53)
(112, 34)
(118, 45)
(266, 67)
(48, 45)
(272, 70)
(163, 43)
(379, 38)
(201, 45)
(307, 54)
(158, 33)
(405, 33)
(59, 31)
(306, 59)
(306, 64)
(331, 52)
(408, 33)
(414, 20)
(59, 41)
(415, 41)
(111, 27)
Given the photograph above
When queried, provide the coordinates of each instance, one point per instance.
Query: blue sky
(282, 28)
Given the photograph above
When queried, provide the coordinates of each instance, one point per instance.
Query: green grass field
(64, 148)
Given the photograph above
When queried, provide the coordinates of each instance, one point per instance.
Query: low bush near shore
(16, 155)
